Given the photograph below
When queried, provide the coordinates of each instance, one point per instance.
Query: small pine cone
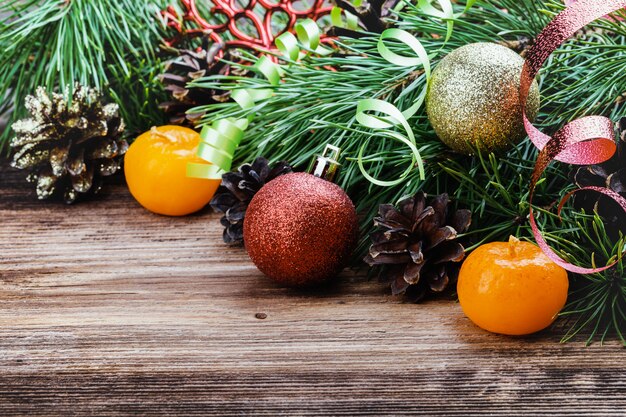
(189, 66)
(236, 192)
(610, 174)
(68, 146)
(416, 247)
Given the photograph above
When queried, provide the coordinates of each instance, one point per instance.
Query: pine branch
(311, 103)
(288, 128)
(98, 43)
(597, 303)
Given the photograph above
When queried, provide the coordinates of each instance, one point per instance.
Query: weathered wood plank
(107, 309)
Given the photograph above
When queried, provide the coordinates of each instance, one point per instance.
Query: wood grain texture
(106, 309)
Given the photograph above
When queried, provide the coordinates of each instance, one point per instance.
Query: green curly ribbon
(384, 116)
(446, 13)
(389, 116)
(351, 22)
(220, 140)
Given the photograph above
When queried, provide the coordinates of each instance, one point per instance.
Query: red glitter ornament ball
(300, 229)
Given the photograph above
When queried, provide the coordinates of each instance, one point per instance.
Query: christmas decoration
(473, 99)
(416, 246)
(301, 229)
(156, 172)
(256, 27)
(588, 140)
(259, 32)
(262, 28)
(188, 66)
(236, 191)
(610, 174)
(511, 288)
(68, 145)
(109, 45)
(571, 2)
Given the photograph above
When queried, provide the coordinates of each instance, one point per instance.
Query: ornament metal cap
(326, 165)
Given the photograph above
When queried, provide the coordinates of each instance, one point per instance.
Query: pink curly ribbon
(588, 140)
(618, 19)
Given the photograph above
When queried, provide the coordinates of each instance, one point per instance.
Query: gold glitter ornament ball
(473, 98)
(300, 229)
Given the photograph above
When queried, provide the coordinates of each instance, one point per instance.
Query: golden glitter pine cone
(68, 146)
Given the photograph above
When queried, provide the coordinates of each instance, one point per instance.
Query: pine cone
(416, 245)
(236, 192)
(610, 174)
(68, 147)
(189, 66)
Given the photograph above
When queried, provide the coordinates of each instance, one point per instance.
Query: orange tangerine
(156, 171)
(511, 288)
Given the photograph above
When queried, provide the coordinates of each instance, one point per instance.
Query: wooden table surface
(107, 309)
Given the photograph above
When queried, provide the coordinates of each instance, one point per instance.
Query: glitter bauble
(473, 99)
(300, 229)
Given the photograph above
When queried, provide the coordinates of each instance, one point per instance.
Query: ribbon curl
(388, 116)
(585, 141)
(351, 21)
(446, 13)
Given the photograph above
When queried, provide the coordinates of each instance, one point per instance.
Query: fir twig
(98, 43)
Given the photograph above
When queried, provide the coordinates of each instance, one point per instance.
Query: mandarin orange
(511, 288)
(156, 171)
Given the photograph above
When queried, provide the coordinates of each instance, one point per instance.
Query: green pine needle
(103, 44)
(597, 303)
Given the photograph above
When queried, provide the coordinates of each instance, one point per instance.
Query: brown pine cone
(416, 247)
(189, 66)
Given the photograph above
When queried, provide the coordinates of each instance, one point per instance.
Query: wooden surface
(107, 309)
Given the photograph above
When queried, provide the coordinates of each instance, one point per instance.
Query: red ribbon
(585, 141)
